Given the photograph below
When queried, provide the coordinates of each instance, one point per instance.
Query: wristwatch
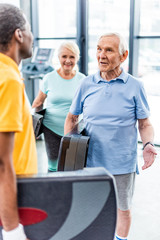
(147, 144)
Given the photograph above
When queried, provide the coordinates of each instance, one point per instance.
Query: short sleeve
(11, 102)
(142, 107)
(78, 101)
(44, 85)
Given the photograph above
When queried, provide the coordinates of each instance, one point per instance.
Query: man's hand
(149, 154)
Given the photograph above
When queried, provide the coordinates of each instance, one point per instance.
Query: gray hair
(11, 18)
(72, 46)
(123, 46)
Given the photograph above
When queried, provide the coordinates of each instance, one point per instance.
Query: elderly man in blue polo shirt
(112, 101)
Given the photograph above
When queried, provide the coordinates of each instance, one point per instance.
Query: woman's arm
(39, 100)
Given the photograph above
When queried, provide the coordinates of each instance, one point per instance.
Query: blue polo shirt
(110, 113)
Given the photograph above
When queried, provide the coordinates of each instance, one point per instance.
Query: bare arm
(70, 122)
(8, 188)
(147, 135)
(39, 100)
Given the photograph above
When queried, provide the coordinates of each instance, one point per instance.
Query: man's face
(108, 54)
(27, 45)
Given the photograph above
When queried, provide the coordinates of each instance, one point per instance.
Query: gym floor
(146, 201)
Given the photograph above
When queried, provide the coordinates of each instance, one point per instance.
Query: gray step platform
(73, 149)
(76, 205)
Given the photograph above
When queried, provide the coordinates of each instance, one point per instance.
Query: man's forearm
(70, 123)
(146, 130)
(147, 134)
(8, 198)
(8, 187)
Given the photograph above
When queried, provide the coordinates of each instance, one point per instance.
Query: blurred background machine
(34, 71)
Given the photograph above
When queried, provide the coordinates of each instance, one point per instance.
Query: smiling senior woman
(58, 87)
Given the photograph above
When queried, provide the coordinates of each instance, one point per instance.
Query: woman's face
(67, 59)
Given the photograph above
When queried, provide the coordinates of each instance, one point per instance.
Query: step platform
(72, 205)
(73, 149)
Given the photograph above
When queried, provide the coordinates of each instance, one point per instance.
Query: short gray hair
(72, 46)
(123, 46)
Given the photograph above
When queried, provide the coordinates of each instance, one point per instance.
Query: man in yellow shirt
(17, 141)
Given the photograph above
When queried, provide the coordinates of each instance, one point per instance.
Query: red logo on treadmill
(29, 216)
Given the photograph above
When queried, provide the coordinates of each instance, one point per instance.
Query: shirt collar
(123, 76)
(9, 62)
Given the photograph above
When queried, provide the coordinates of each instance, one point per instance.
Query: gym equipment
(37, 118)
(72, 205)
(73, 149)
(34, 71)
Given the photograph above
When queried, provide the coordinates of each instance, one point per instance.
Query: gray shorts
(125, 188)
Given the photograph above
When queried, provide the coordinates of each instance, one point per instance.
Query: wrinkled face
(108, 54)
(27, 44)
(67, 59)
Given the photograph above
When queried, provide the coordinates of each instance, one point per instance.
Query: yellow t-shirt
(15, 116)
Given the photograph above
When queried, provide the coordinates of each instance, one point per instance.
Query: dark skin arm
(8, 189)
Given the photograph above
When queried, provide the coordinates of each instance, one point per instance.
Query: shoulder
(134, 81)
(50, 75)
(87, 82)
(10, 77)
(89, 79)
(80, 75)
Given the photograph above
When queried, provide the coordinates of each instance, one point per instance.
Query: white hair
(123, 46)
(72, 46)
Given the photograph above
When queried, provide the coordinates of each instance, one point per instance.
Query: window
(106, 16)
(149, 17)
(56, 23)
(149, 57)
(14, 2)
(57, 19)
